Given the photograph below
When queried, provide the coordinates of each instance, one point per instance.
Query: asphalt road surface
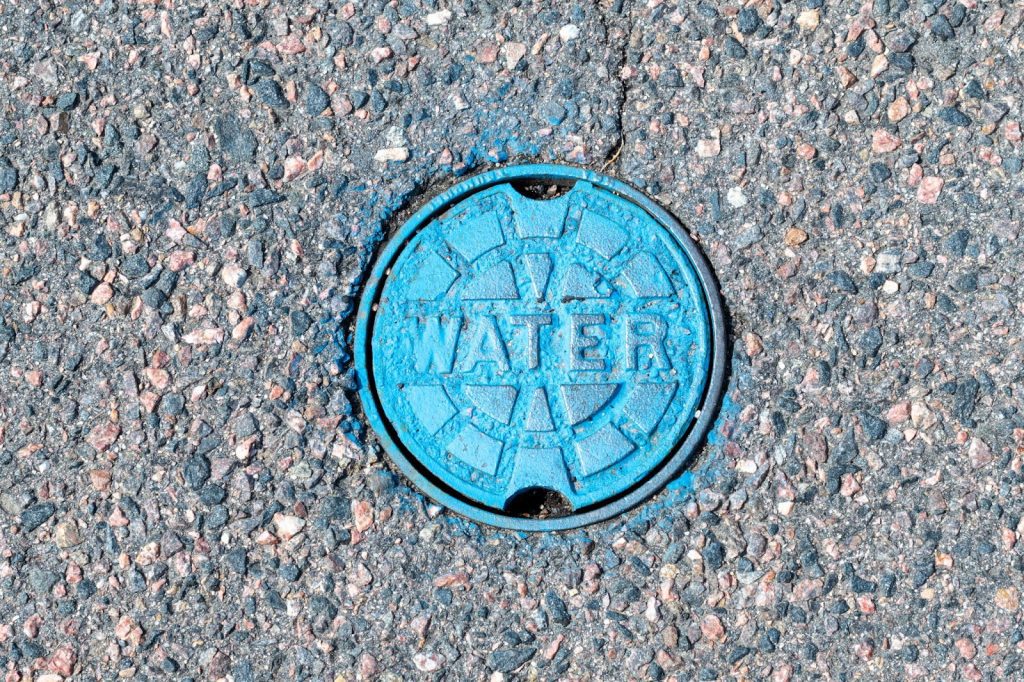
(192, 192)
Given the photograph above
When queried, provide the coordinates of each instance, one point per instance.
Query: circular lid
(540, 360)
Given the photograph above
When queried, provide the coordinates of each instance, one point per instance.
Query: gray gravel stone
(954, 117)
(270, 92)
(316, 100)
(508, 660)
(235, 138)
(36, 515)
(8, 175)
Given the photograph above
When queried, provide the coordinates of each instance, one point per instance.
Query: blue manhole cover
(540, 362)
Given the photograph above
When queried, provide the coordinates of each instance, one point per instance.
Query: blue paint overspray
(370, 210)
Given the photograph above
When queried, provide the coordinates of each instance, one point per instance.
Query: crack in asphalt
(613, 157)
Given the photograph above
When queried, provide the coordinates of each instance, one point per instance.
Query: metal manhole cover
(540, 363)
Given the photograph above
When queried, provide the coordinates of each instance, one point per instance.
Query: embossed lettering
(646, 333)
(447, 344)
(434, 344)
(533, 323)
(586, 334)
(485, 345)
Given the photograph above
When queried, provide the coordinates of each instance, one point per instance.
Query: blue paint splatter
(709, 467)
(372, 209)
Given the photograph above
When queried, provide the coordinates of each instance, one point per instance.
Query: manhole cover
(540, 347)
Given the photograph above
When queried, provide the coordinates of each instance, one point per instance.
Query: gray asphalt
(191, 194)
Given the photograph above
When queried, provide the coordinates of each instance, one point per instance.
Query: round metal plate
(540, 363)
